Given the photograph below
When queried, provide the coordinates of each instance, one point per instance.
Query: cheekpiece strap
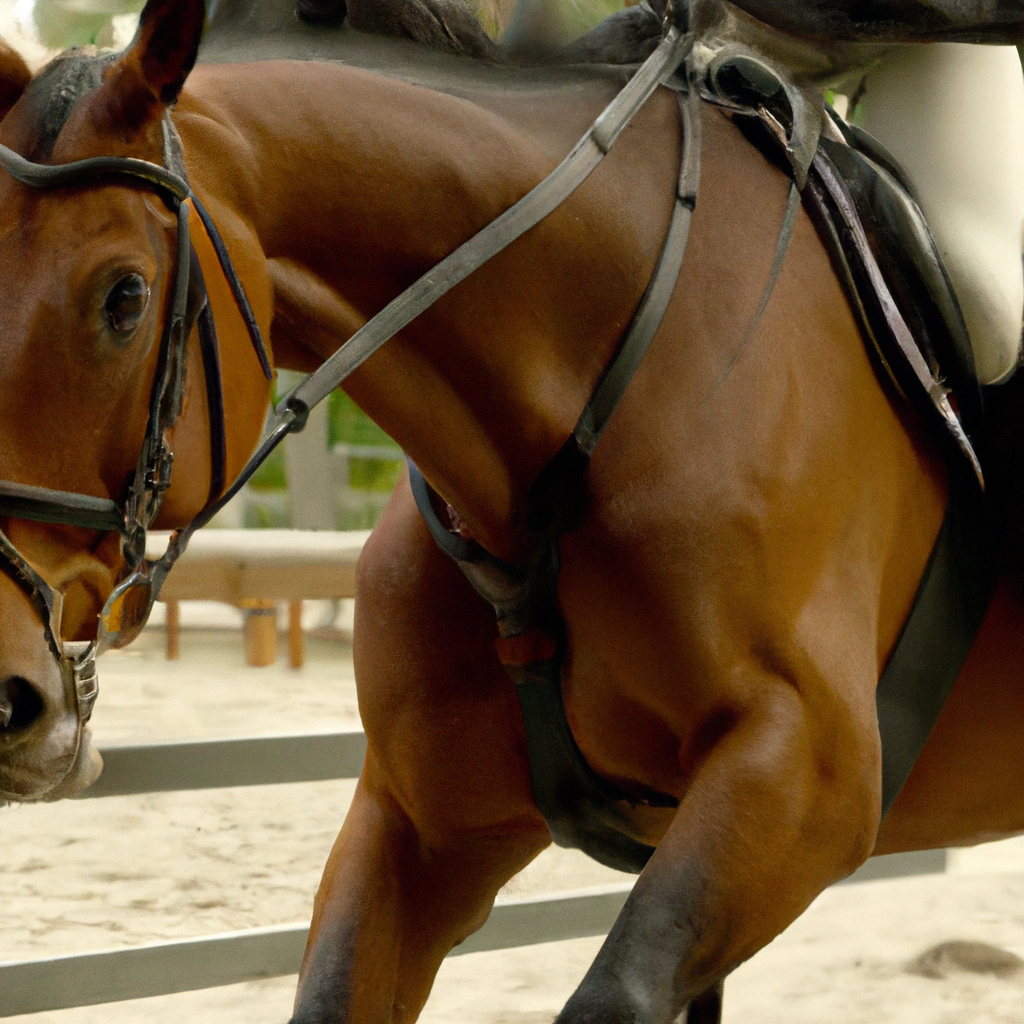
(35, 588)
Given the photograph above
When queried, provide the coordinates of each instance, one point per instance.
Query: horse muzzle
(45, 747)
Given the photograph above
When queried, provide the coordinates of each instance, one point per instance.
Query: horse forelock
(56, 90)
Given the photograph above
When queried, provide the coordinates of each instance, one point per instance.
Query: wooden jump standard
(255, 569)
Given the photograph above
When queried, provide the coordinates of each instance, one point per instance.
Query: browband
(79, 171)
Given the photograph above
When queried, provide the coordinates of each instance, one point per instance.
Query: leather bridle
(132, 517)
(128, 606)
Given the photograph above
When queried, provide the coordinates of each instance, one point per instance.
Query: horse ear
(166, 44)
(14, 76)
(150, 73)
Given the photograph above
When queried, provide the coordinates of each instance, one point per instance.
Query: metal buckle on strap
(79, 664)
(158, 473)
(740, 76)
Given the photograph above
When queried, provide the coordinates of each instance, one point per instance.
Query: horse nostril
(321, 12)
(20, 703)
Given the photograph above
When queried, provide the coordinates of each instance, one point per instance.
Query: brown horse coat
(754, 540)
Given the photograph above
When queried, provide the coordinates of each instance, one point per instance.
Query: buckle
(158, 473)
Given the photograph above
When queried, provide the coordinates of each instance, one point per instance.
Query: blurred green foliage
(270, 476)
(579, 16)
(379, 475)
(346, 424)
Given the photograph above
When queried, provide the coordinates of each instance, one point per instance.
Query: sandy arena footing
(127, 870)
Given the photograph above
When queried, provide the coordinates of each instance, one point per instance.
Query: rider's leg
(953, 115)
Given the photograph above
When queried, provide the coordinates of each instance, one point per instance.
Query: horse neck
(354, 185)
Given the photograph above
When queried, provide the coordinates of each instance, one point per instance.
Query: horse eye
(126, 303)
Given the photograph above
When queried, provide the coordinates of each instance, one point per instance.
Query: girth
(582, 810)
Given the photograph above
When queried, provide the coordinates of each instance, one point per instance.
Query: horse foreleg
(785, 804)
(443, 814)
(393, 902)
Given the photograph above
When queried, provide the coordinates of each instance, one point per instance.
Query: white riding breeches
(953, 115)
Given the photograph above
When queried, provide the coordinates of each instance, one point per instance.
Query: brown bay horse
(752, 545)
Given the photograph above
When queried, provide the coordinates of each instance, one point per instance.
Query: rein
(127, 609)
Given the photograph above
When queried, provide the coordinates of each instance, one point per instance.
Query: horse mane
(54, 91)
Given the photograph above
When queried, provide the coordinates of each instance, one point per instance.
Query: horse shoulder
(760, 516)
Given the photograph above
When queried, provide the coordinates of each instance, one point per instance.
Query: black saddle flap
(912, 268)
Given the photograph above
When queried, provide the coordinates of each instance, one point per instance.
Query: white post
(310, 492)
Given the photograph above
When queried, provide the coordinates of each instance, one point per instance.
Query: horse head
(85, 301)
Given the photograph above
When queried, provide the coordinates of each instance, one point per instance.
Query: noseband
(128, 607)
(132, 517)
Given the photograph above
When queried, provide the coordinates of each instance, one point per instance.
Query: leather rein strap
(612, 385)
(189, 305)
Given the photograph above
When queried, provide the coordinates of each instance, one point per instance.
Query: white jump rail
(184, 965)
(163, 968)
